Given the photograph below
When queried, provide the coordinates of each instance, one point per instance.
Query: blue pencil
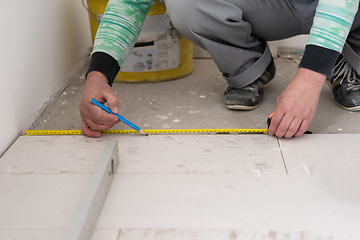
(124, 120)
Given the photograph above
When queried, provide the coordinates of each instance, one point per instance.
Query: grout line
(2, 154)
(119, 234)
(143, 173)
(282, 155)
(46, 229)
(50, 229)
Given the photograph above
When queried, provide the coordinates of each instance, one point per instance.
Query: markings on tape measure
(51, 132)
(149, 131)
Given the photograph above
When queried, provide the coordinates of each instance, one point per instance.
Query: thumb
(113, 101)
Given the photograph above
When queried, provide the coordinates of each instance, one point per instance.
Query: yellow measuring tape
(148, 131)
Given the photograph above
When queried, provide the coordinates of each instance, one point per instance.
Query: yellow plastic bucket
(170, 57)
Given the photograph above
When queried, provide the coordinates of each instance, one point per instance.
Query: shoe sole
(240, 107)
(352, 109)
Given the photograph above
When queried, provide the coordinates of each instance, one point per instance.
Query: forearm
(117, 33)
(332, 24)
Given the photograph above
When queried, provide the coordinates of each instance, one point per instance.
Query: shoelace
(344, 71)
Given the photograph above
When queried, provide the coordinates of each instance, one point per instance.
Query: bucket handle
(90, 13)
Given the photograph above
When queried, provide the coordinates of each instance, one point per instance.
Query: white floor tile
(53, 234)
(336, 158)
(31, 234)
(180, 186)
(39, 201)
(138, 154)
(225, 234)
(233, 201)
(52, 154)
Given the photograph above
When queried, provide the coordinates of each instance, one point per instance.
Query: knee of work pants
(218, 27)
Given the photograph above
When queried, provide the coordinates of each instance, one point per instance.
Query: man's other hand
(296, 104)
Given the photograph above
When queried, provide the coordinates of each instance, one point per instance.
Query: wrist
(104, 63)
(319, 59)
(314, 78)
(97, 76)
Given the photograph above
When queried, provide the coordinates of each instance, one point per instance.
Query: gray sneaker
(250, 96)
(345, 84)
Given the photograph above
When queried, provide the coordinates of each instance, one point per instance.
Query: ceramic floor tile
(155, 154)
(150, 190)
(246, 234)
(335, 157)
(232, 201)
(31, 234)
(53, 234)
(40, 201)
(52, 154)
(181, 201)
(200, 154)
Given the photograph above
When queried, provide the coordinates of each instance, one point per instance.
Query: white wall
(42, 44)
(298, 42)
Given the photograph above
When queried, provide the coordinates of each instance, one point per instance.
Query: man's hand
(93, 118)
(296, 104)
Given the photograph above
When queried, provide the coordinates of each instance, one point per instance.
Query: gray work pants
(235, 32)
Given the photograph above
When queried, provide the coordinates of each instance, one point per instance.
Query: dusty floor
(196, 101)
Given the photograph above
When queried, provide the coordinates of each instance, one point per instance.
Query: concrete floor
(196, 101)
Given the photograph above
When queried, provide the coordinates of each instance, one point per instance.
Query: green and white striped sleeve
(117, 33)
(332, 23)
(331, 26)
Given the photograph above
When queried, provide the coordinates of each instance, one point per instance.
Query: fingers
(95, 126)
(303, 127)
(293, 128)
(90, 128)
(88, 132)
(100, 116)
(89, 111)
(288, 126)
(275, 121)
(94, 119)
(113, 101)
